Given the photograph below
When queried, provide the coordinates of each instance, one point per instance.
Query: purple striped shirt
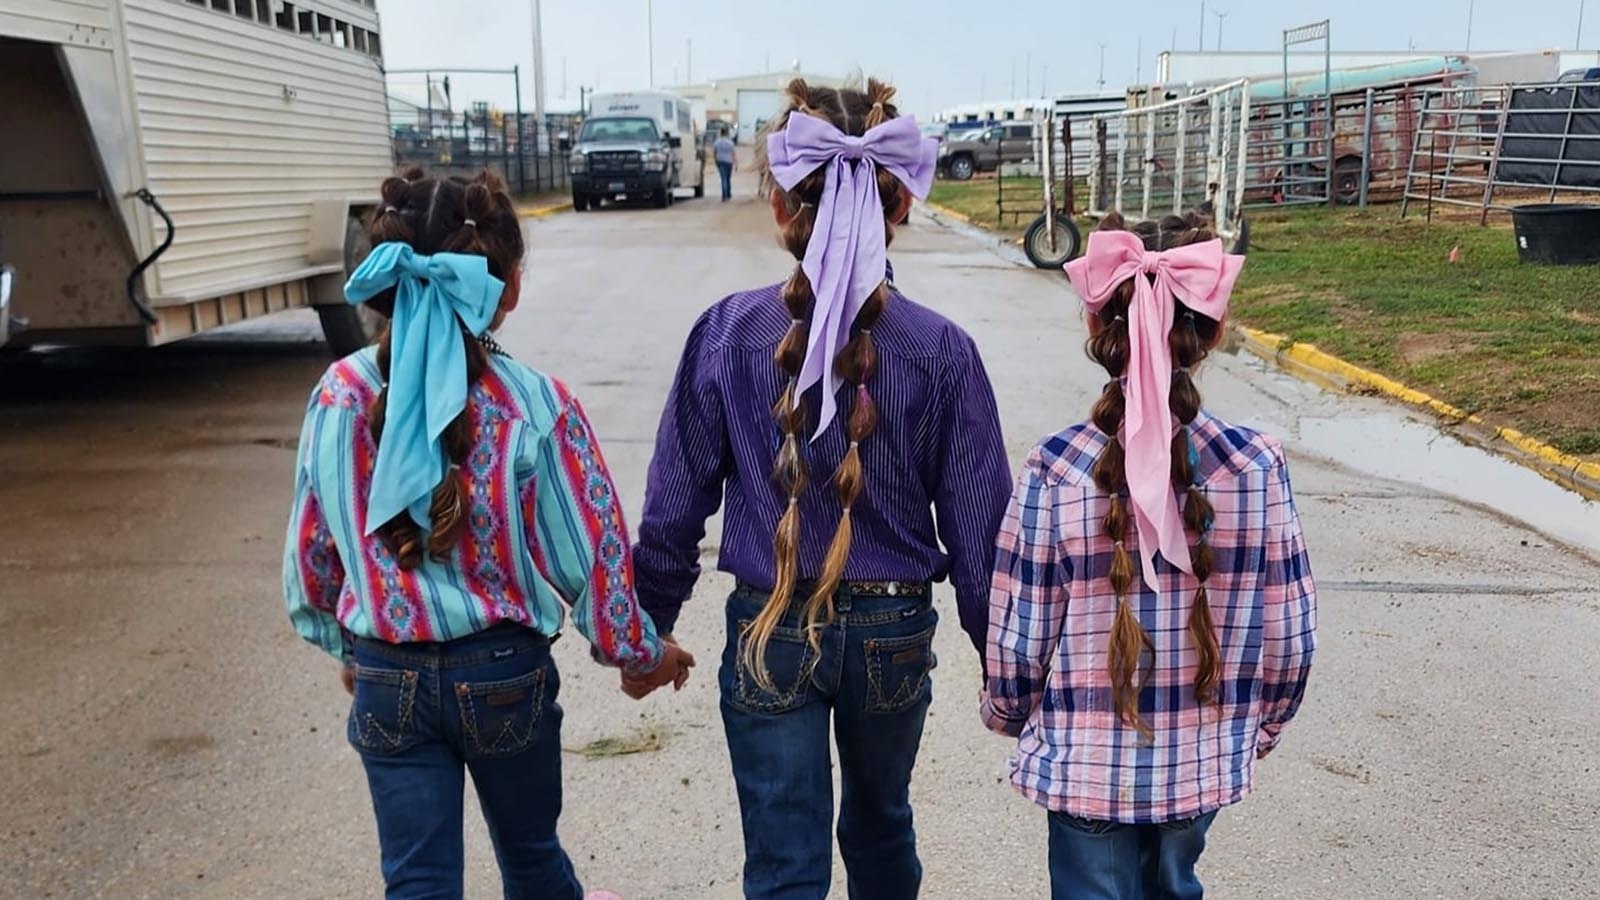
(936, 475)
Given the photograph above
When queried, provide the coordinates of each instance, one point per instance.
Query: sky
(937, 52)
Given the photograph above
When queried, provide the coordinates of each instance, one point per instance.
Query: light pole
(1102, 81)
(1579, 44)
(1472, 8)
(538, 66)
(1220, 16)
(650, 36)
(1202, 26)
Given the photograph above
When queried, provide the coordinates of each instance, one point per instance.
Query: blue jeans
(1108, 861)
(872, 677)
(725, 169)
(424, 713)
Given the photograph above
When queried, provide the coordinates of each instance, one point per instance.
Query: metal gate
(1183, 154)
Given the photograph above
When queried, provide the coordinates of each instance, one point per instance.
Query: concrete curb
(1307, 362)
(539, 212)
(949, 213)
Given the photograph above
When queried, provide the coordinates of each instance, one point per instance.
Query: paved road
(167, 737)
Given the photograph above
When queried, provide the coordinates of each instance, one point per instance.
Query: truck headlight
(578, 164)
(655, 161)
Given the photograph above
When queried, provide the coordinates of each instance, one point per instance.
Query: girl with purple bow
(1153, 614)
(832, 417)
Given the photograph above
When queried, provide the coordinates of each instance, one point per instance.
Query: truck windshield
(619, 131)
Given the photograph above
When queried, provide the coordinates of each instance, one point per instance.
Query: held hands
(674, 669)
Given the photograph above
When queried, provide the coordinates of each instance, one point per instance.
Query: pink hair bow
(1200, 275)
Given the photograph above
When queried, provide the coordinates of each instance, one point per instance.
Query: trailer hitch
(141, 307)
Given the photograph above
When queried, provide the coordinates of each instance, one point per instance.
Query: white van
(637, 144)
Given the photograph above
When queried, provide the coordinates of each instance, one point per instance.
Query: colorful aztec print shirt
(1050, 618)
(545, 529)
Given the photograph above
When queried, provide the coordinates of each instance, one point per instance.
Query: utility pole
(1472, 9)
(1102, 81)
(1027, 76)
(1202, 26)
(538, 67)
(1138, 62)
(1013, 78)
(688, 59)
(1578, 45)
(650, 31)
(1220, 16)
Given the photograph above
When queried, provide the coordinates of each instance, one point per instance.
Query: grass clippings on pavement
(1517, 344)
(648, 738)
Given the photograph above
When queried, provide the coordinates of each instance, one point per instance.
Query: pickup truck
(964, 153)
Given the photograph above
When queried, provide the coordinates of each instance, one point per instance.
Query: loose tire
(960, 167)
(1036, 243)
(349, 328)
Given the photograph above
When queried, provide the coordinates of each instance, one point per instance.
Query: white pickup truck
(171, 166)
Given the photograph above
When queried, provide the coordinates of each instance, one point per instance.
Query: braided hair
(1131, 652)
(434, 215)
(852, 112)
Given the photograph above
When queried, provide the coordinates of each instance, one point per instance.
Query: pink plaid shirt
(1051, 609)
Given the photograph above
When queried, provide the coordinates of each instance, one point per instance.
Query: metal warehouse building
(745, 101)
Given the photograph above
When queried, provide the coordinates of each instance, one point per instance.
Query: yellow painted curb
(539, 212)
(947, 211)
(1327, 370)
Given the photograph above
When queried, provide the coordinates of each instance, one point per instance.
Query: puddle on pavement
(1416, 453)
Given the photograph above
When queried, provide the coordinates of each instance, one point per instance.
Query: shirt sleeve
(1027, 605)
(974, 481)
(687, 472)
(313, 573)
(1289, 620)
(579, 540)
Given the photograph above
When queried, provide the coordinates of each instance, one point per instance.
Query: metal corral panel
(56, 21)
(242, 126)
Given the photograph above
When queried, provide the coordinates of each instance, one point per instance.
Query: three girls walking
(451, 502)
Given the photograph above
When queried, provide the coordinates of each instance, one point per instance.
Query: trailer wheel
(1346, 185)
(349, 328)
(1036, 243)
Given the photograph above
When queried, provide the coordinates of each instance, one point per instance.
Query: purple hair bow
(846, 256)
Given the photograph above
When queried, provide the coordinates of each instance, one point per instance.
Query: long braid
(432, 215)
(1131, 652)
(856, 363)
(852, 112)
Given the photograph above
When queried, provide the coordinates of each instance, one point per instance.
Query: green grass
(643, 739)
(1518, 344)
(975, 199)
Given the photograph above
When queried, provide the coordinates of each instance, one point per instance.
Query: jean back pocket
(383, 711)
(500, 718)
(898, 671)
(790, 659)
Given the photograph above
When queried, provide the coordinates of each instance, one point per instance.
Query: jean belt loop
(842, 597)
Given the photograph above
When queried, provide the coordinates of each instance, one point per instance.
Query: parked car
(637, 144)
(985, 150)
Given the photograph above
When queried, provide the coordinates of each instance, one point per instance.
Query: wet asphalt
(167, 736)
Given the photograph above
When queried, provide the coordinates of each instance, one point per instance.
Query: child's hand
(674, 668)
(347, 677)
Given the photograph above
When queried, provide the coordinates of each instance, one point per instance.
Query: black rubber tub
(1565, 234)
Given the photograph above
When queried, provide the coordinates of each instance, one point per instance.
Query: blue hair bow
(434, 296)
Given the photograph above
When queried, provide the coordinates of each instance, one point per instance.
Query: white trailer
(171, 166)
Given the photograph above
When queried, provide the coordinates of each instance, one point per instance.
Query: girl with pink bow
(1143, 693)
(851, 437)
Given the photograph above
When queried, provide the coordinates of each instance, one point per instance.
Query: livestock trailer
(172, 166)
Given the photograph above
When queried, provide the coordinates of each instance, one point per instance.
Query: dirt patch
(1415, 349)
(182, 745)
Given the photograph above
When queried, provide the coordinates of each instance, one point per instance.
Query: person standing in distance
(724, 154)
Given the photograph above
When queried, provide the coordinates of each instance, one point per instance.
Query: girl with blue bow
(833, 376)
(450, 504)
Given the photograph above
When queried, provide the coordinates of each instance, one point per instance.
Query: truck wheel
(349, 328)
(960, 167)
(580, 202)
(1036, 243)
(700, 189)
(663, 198)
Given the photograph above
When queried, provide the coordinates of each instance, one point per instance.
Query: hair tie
(388, 209)
(806, 204)
(470, 223)
(797, 321)
(1118, 318)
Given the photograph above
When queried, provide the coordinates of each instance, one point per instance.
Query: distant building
(744, 102)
